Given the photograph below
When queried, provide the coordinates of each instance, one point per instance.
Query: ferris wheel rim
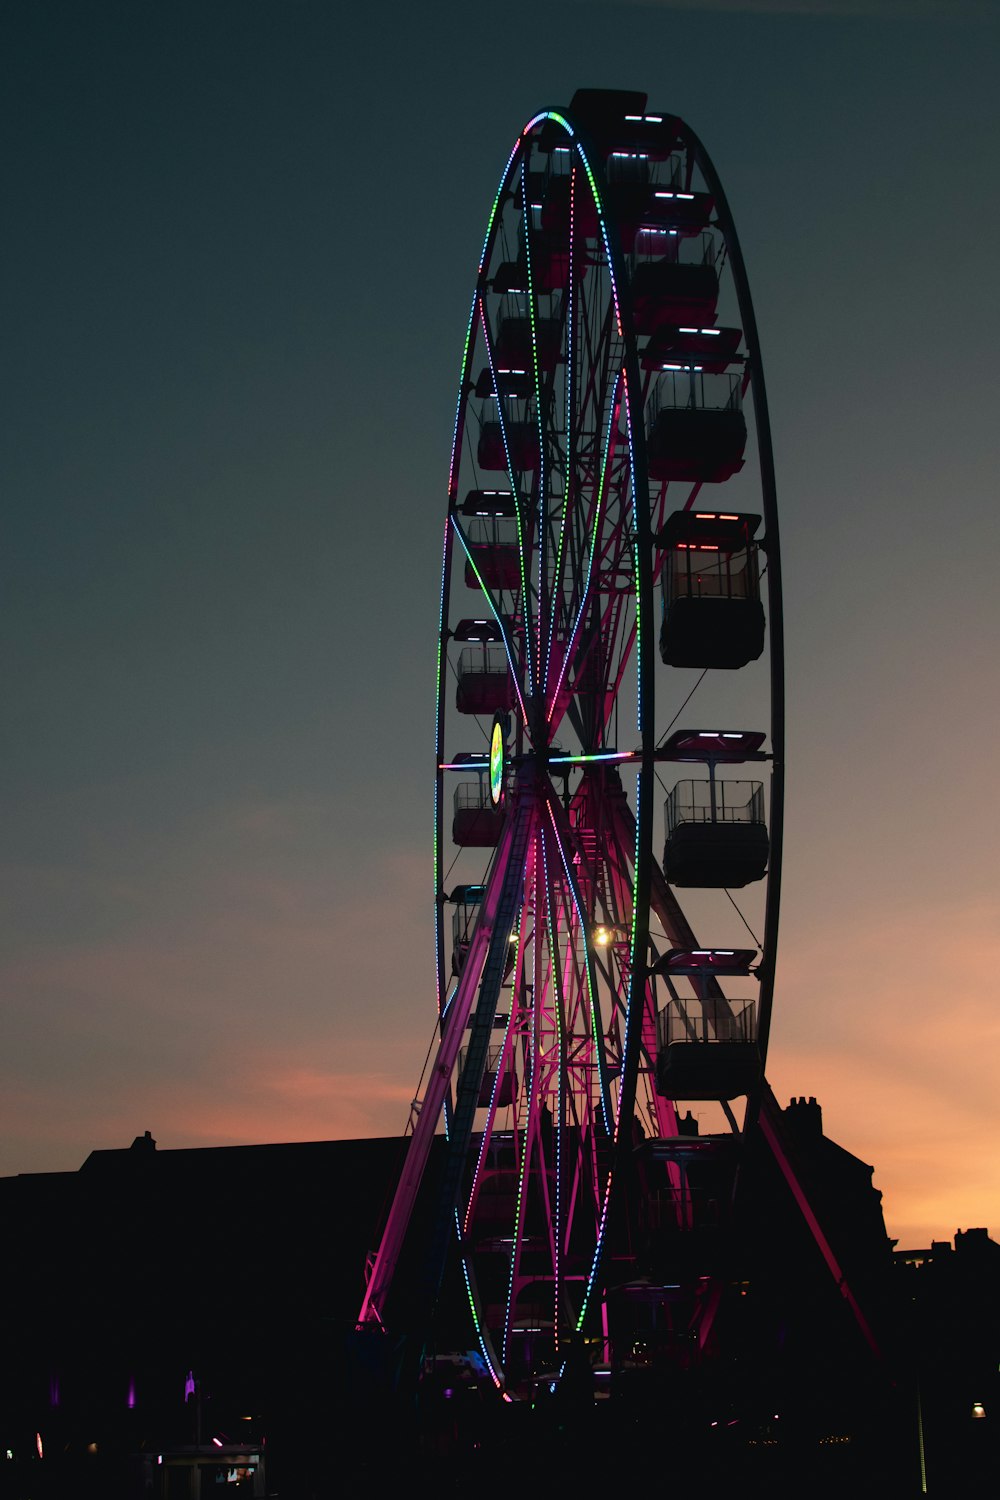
(640, 521)
(455, 551)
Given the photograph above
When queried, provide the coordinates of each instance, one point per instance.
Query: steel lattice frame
(548, 1008)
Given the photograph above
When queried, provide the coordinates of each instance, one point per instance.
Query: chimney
(805, 1117)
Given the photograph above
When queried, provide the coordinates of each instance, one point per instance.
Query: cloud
(891, 1021)
(241, 990)
(247, 982)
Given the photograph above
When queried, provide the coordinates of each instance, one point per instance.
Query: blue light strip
(497, 1381)
(496, 202)
(568, 476)
(533, 324)
(635, 867)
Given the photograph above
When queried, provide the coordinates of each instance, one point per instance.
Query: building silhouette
(180, 1323)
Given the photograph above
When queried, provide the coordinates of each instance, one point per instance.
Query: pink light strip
(601, 495)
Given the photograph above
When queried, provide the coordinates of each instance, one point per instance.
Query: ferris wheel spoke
(566, 648)
(569, 850)
(477, 974)
(505, 1072)
(502, 624)
(621, 879)
(542, 478)
(522, 509)
(561, 982)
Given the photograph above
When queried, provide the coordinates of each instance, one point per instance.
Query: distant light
(41, 1450)
(978, 1409)
(217, 1442)
(602, 937)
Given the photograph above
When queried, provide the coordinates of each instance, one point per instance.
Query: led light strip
(452, 471)
(588, 962)
(601, 496)
(560, 1051)
(635, 868)
(496, 202)
(533, 325)
(496, 616)
(586, 760)
(570, 312)
(475, 1313)
(520, 526)
(526, 1152)
(488, 1132)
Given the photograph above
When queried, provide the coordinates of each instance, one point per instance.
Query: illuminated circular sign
(496, 762)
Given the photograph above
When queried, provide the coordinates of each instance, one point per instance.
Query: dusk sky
(239, 248)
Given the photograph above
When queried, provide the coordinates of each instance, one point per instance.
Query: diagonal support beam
(454, 1023)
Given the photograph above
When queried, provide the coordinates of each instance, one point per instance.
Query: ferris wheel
(609, 753)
